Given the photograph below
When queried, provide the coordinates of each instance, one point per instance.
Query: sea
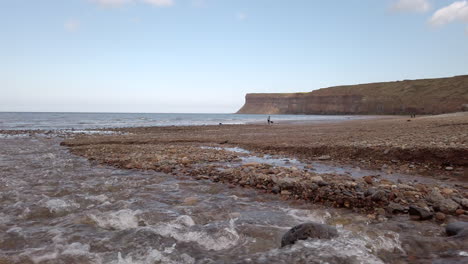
(53, 121)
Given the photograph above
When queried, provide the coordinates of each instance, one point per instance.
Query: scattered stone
(459, 211)
(449, 168)
(440, 216)
(368, 179)
(417, 213)
(190, 200)
(308, 231)
(284, 192)
(380, 211)
(447, 191)
(316, 179)
(464, 203)
(324, 157)
(396, 208)
(455, 228)
(448, 206)
(379, 196)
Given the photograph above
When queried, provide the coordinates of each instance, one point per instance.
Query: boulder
(308, 231)
(395, 208)
(456, 228)
(418, 213)
(447, 206)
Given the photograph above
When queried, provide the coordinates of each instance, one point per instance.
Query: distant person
(268, 120)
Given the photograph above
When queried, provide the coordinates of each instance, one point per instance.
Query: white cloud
(72, 25)
(457, 11)
(159, 2)
(411, 6)
(112, 3)
(241, 16)
(117, 3)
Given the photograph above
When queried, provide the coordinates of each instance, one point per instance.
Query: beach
(228, 193)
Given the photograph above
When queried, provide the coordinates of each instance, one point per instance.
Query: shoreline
(202, 152)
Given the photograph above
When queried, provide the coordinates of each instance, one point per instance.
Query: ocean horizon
(93, 120)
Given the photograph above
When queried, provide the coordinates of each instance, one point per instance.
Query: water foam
(120, 220)
(180, 229)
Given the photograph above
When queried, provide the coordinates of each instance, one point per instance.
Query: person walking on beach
(268, 120)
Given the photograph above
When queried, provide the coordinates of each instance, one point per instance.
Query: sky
(203, 56)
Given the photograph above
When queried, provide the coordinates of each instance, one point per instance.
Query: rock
(434, 196)
(275, 189)
(324, 157)
(316, 179)
(459, 211)
(368, 179)
(440, 216)
(448, 206)
(464, 202)
(284, 192)
(449, 168)
(396, 208)
(286, 183)
(380, 211)
(418, 213)
(190, 200)
(306, 231)
(379, 196)
(447, 191)
(456, 228)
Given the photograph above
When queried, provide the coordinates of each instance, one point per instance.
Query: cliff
(426, 96)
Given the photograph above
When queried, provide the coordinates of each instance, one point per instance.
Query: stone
(434, 197)
(396, 208)
(316, 179)
(275, 189)
(459, 211)
(308, 231)
(286, 183)
(440, 216)
(448, 206)
(418, 213)
(379, 196)
(380, 211)
(464, 202)
(447, 191)
(368, 179)
(449, 168)
(455, 228)
(284, 192)
(324, 157)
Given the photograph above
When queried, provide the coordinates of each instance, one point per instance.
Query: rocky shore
(439, 145)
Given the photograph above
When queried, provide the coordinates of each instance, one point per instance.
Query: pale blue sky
(205, 55)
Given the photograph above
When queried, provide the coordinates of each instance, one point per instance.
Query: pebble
(324, 157)
(449, 168)
(459, 211)
(440, 216)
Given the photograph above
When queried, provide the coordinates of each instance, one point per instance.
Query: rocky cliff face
(428, 96)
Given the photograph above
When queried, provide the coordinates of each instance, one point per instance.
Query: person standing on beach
(268, 120)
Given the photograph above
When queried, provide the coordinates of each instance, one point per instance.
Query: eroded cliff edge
(426, 96)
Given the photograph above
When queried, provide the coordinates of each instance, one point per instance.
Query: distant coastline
(425, 96)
